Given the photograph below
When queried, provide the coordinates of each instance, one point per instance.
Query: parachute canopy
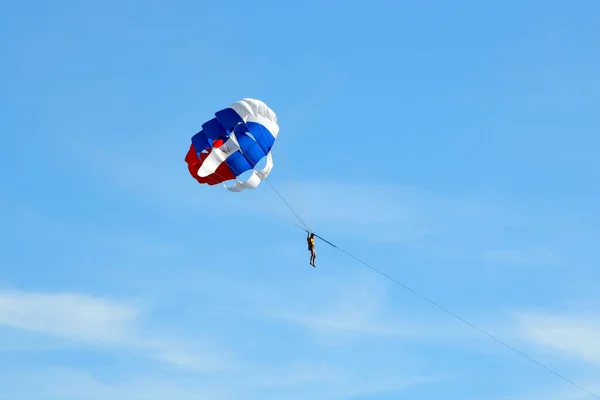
(233, 143)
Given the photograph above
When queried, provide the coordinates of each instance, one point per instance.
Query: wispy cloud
(556, 392)
(120, 326)
(338, 311)
(536, 256)
(366, 203)
(66, 383)
(358, 308)
(298, 381)
(573, 335)
(566, 341)
(103, 322)
(323, 381)
(73, 316)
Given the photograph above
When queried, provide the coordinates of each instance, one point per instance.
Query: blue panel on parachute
(211, 130)
(228, 118)
(263, 136)
(238, 164)
(200, 142)
(252, 150)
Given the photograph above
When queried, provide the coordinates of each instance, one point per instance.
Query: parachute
(233, 143)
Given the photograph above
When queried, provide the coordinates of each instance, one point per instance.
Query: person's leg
(313, 256)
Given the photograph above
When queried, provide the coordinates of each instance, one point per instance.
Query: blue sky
(453, 146)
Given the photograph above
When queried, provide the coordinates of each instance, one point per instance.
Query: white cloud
(566, 335)
(338, 310)
(324, 381)
(72, 384)
(296, 381)
(74, 316)
(539, 255)
(565, 342)
(355, 308)
(365, 203)
(101, 321)
(296, 374)
(554, 392)
(120, 323)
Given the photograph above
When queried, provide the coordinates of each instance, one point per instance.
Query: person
(311, 247)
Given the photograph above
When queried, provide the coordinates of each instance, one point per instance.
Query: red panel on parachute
(222, 174)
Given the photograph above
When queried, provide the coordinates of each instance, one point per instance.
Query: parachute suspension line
(285, 165)
(266, 179)
(306, 228)
(439, 306)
